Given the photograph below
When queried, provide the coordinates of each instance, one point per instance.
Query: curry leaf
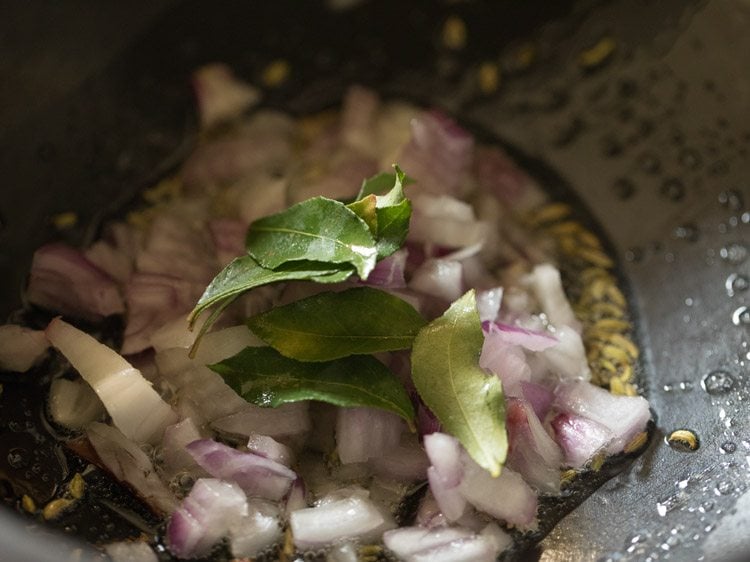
(244, 273)
(468, 402)
(393, 227)
(264, 377)
(318, 229)
(366, 209)
(331, 325)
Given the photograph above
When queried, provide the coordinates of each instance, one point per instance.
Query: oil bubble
(728, 447)
(736, 283)
(717, 382)
(741, 316)
(672, 189)
(723, 488)
(649, 163)
(731, 199)
(18, 458)
(690, 158)
(688, 232)
(734, 253)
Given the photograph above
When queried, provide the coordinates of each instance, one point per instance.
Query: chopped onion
(347, 551)
(449, 498)
(347, 518)
(130, 551)
(444, 221)
(532, 452)
(579, 438)
(258, 530)
(539, 397)
(448, 544)
(389, 272)
(297, 496)
(406, 462)
(438, 154)
(204, 517)
(269, 448)
(115, 263)
(220, 95)
(364, 433)
(506, 360)
(176, 457)
(623, 416)
(506, 497)
(358, 112)
(406, 541)
(446, 473)
(256, 475)
(533, 340)
(546, 283)
(497, 174)
(229, 238)
(488, 303)
(440, 278)
(129, 464)
(136, 408)
(73, 404)
(279, 423)
(62, 279)
(21, 348)
(568, 359)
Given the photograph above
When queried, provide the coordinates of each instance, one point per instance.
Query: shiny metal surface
(655, 140)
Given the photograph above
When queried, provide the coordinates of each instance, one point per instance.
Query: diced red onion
(533, 340)
(427, 422)
(256, 532)
(364, 433)
(444, 221)
(539, 397)
(507, 361)
(406, 462)
(506, 497)
(579, 438)
(406, 541)
(546, 283)
(448, 544)
(297, 496)
(112, 261)
(347, 551)
(269, 448)
(449, 498)
(499, 538)
(488, 304)
(62, 279)
(441, 278)
(498, 174)
(261, 195)
(229, 238)
(228, 159)
(532, 452)
(444, 452)
(21, 348)
(279, 423)
(389, 272)
(204, 517)
(342, 180)
(176, 457)
(438, 154)
(358, 112)
(130, 551)
(568, 359)
(257, 476)
(136, 408)
(129, 464)
(225, 343)
(623, 416)
(220, 95)
(175, 333)
(73, 404)
(352, 517)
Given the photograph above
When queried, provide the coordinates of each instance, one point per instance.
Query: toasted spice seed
(524, 56)
(55, 508)
(141, 219)
(313, 125)
(549, 213)
(610, 325)
(166, 190)
(287, 547)
(598, 461)
(636, 443)
(625, 344)
(568, 245)
(608, 365)
(77, 486)
(488, 76)
(589, 238)
(454, 33)
(615, 295)
(276, 73)
(590, 273)
(567, 476)
(615, 354)
(64, 221)
(595, 257)
(684, 438)
(564, 228)
(626, 374)
(28, 503)
(607, 310)
(598, 54)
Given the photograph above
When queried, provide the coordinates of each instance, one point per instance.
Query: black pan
(653, 139)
